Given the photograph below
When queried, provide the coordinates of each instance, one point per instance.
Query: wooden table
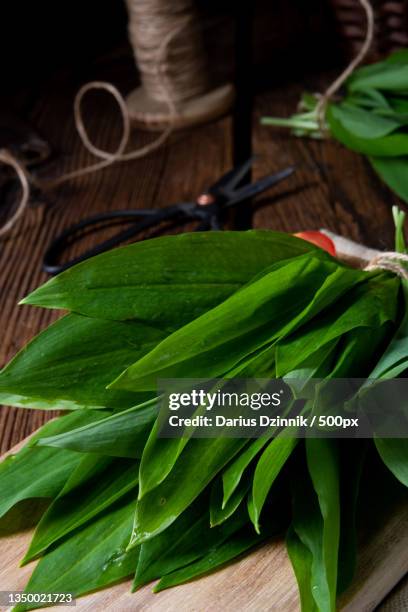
(331, 188)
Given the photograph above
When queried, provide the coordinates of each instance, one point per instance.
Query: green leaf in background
(40, 472)
(160, 507)
(212, 344)
(362, 123)
(393, 171)
(75, 359)
(167, 281)
(394, 453)
(386, 76)
(120, 435)
(92, 558)
(236, 545)
(392, 145)
(94, 485)
(267, 470)
(187, 539)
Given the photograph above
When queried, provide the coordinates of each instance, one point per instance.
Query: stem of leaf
(399, 219)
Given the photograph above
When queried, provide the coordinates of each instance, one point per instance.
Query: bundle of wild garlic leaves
(371, 117)
(121, 500)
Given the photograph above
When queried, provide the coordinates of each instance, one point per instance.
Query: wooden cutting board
(261, 581)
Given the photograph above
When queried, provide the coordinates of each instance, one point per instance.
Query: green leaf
(220, 512)
(94, 485)
(302, 562)
(75, 358)
(187, 539)
(364, 123)
(392, 145)
(119, 435)
(267, 470)
(370, 304)
(353, 453)
(236, 545)
(393, 171)
(212, 344)
(231, 476)
(394, 360)
(386, 76)
(322, 461)
(166, 281)
(394, 453)
(40, 472)
(160, 507)
(92, 558)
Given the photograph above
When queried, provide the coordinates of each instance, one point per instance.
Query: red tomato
(320, 240)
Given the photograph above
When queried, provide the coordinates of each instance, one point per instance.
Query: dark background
(39, 38)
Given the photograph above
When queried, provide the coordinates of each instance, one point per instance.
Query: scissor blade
(249, 191)
(232, 178)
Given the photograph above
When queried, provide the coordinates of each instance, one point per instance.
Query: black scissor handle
(72, 234)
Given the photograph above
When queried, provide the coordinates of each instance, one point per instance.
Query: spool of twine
(184, 67)
(176, 85)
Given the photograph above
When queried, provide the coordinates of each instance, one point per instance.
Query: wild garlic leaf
(91, 558)
(302, 562)
(391, 145)
(394, 360)
(363, 123)
(120, 435)
(393, 171)
(160, 507)
(75, 359)
(352, 456)
(267, 470)
(236, 545)
(95, 484)
(370, 304)
(187, 539)
(40, 472)
(385, 76)
(212, 344)
(167, 281)
(394, 453)
(323, 466)
(220, 512)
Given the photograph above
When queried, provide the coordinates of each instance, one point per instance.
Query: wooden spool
(176, 85)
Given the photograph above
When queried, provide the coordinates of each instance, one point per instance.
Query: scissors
(208, 210)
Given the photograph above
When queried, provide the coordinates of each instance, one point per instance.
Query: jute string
(391, 262)
(325, 98)
(172, 69)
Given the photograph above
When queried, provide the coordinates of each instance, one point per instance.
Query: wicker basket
(391, 25)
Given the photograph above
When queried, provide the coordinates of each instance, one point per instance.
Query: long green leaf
(75, 359)
(187, 539)
(40, 472)
(216, 341)
(95, 484)
(236, 545)
(169, 280)
(92, 558)
(160, 507)
(267, 470)
(120, 435)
